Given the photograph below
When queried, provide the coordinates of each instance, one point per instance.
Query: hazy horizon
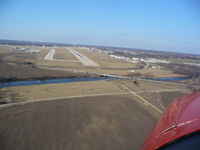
(134, 48)
(171, 26)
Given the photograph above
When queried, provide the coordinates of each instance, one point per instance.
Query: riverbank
(49, 81)
(14, 72)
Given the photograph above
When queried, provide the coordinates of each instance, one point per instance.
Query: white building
(154, 60)
(135, 59)
(193, 64)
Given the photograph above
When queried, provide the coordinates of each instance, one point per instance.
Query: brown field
(157, 73)
(19, 57)
(45, 91)
(4, 49)
(167, 97)
(100, 123)
(145, 86)
(162, 99)
(64, 54)
(19, 72)
(59, 56)
(74, 89)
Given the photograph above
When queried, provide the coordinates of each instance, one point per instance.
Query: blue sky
(168, 25)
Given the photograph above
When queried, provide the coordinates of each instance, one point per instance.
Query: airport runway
(83, 59)
(50, 55)
(115, 122)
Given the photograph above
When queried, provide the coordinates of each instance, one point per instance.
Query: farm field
(151, 91)
(107, 114)
(18, 72)
(46, 91)
(99, 75)
(102, 122)
(5, 49)
(157, 73)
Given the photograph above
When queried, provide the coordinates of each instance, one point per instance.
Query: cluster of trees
(188, 70)
(155, 54)
(133, 74)
(192, 72)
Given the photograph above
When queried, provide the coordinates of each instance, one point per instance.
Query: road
(83, 59)
(107, 122)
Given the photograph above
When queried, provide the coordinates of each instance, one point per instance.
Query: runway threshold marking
(50, 55)
(82, 58)
(141, 98)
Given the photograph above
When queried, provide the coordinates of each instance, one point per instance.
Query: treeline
(31, 43)
(188, 70)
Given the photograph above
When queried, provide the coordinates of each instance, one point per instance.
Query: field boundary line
(59, 98)
(141, 98)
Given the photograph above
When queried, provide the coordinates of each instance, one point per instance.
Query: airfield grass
(59, 56)
(103, 71)
(11, 55)
(105, 61)
(157, 73)
(5, 49)
(64, 54)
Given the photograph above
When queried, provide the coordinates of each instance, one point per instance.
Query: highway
(105, 122)
(83, 59)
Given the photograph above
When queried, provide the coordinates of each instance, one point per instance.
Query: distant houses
(193, 64)
(28, 50)
(136, 60)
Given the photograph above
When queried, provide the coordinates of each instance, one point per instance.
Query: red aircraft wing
(181, 118)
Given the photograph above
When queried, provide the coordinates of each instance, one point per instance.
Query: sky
(165, 25)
